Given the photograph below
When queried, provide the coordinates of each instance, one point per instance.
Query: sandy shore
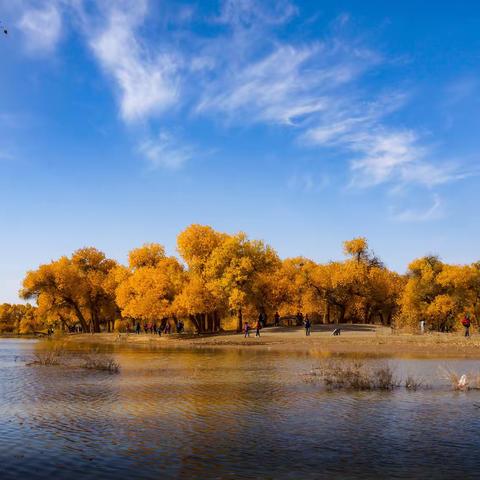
(365, 340)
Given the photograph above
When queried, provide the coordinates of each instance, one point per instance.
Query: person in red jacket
(466, 323)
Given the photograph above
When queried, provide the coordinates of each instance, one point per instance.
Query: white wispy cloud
(269, 90)
(288, 85)
(384, 155)
(381, 153)
(307, 182)
(41, 27)
(248, 72)
(240, 14)
(165, 151)
(398, 157)
(145, 79)
(316, 88)
(433, 212)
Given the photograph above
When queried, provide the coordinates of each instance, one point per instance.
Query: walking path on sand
(367, 340)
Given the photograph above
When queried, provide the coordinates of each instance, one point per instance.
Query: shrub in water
(355, 375)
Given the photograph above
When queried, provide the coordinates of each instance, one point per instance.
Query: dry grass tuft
(354, 375)
(55, 353)
(45, 358)
(413, 383)
(51, 353)
(101, 363)
(357, 375)
(463, 382)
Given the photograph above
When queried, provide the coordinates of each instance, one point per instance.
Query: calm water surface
(227, 414)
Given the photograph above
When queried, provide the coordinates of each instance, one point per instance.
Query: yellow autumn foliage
(224, 276)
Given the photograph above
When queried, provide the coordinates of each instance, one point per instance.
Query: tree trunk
(79, 315)
(325, 311)
(210, 325)
(193, 319)
(96, 324)
(64, 324)
(240, 320)
(163, 324)
(366, 314)
(200, 322)
(216, 318)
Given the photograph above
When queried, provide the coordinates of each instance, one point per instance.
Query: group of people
(466, 322)
(262, 320)
(247, 328)
(154, 330)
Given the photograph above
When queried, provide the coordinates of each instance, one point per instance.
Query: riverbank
(368, 340)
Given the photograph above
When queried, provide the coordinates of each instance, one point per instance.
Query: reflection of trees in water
(226, 412)
(229, 405)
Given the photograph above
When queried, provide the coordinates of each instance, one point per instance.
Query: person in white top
(422, 327)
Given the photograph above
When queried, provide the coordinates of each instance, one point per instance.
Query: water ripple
(225, 415)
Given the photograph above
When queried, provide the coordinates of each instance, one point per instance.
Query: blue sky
(301, 123)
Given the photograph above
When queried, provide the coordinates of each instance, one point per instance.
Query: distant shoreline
(366, 340)
(19, 336)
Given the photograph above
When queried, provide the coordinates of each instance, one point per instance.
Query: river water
(228, 414)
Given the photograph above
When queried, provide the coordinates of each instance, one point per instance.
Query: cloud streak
(165, 151)
(417, 215)
(241, 69)
(146, 81)
(42, 28)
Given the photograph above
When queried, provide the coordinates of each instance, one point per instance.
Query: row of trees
(440, 293)
(220, 280)
(19, 318)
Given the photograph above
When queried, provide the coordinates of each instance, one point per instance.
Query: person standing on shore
(180, 326)
(246, 329)
(466, 323)
(137, 328)
(259, 326)
(308, 326)
(276, 319)
(422, 327)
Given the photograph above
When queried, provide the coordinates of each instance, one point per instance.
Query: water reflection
(226, 414)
